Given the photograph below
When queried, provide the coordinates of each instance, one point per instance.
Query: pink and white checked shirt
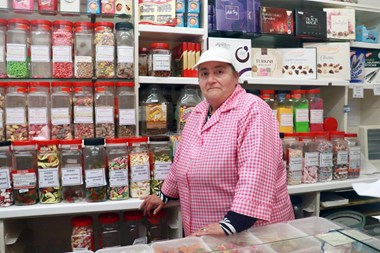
(233, 162)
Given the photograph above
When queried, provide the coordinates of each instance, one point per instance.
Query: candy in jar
(125, 109)
(340, 155)
(83, 103)
(82, 235)
(61, 111)
(104, 42)
(354, 155)
(104, 110)
(62, 44)
(6, 194)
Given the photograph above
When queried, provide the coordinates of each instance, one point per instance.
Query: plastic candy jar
(104, 110)
(315, 110)
(6, 194)
(82, 235)
(104, 42)
(62, 41)
(340, 155)
(125, 42)
(159, 63)
(354, 155)
(18, 48)
(40, 65)
(160, 160)
(268, 97)
(84, 50)
(294, 158)
(61, 111)
(311, 158)
(3, 32)
(2, 110)
(126, 109)
(325, 149)
(15, 111)
(157, 228)
(300, 111)
(24, 173)
(117, 157)
(139, 172)
(284, 113)
(83, 106)
(110, 233)
(94, 163)
(143, 61)
(185, 105)
(39, 111)
(133, 229)
(72, 171)
(49, 169)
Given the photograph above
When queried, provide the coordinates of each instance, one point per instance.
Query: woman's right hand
(151, 203)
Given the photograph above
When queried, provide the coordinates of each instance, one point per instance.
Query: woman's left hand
(211, 229)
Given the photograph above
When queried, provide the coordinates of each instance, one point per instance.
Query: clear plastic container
(159, 63)
(125, 109)
(95, 164)
(284, 113)
(175, 245)
(325, 149)
(39, 111)
(49, 171)
(300, 111)
(276, 232)
(24, 173)
(40, 66)
(139, 248)
(15, 111)
(156, 113)
(73, 189)
(311, 159)
(47, 6)
(340, 155)
(109, 230)
(268, 97)
(117, 157)
(82, 235)
(2, 110)
(83, 50)
(3, 32)
(293, 149)
(104, 110)
(104, 42)
(125, 50)
(133, 229)
(315, 110)
(139, 171)
(83, 106)
(18, 48)
(143, 61)
(314, 225)
(157, 228)
(354, 155)
(6, 168)
(160, 159)
(61, 111)
(62, 46)
(185, 105)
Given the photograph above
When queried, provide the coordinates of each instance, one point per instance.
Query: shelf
(70, 208)
(168, 80)
(281, 81)
(154, 32)
(333, 185)
(365, 45)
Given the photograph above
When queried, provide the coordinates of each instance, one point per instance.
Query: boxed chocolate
(372, 66)
(340, 23)
(124, 7)
(192, 20)
(180, 22)
(253, 16)
(157, 12)
(299, 63)
(266, 62)
(93, 6)
(368, 35)
(333, 59)
(69, 6)
(231, 15)
(108, 6)
(193, 6)
(180, 6)
(277, 21)
(357, 59)
(310, 24)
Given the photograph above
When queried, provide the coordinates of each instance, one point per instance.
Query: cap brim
(212, 59)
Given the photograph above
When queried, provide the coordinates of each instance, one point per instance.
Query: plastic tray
(306, 244)
(139, 248)
(188, 245)
(242, 239)
(276, 232)
(314, 225)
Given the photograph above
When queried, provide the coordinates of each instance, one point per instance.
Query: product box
(93, 6)
(357, 59)
(70, 6)
(372, 66)
(240, 49)
(123, 7)
(193, 6)
(179, 56)
(192, 20)
(180, 6)
(340, 23)
(333, 59)
(277, 21)
(180, 19)
(299, 63)
(108, 6)
(369, 35)
(25, 5)
(4, 4)
(310, 24)
(231, 15)
(253, 16)
(266, 62)
(157, 12)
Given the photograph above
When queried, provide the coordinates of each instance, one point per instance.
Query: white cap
(219, 54)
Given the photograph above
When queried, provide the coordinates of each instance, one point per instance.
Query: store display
(62, 45)
(277, 20)
(284, 113)
(340, 23)
(357, 59)
(354, 155)
(160, 161)
(185, 105)
(104, 43)
(310, 24)
(159, 61)
(40, 65)
(104, 102)
(2, 111)
(125, 109)
(299, 63)
(325, 149)
(143, 61)
(368, 35)
(109, 230)
(82, 235)
(315, 110)
(83, 50)
(61, 111)
(293, 150)
(340, 155)
(39, 111)
(300, 111)
(125, 50)
(83, 103)
(6, 192)
(157, 13)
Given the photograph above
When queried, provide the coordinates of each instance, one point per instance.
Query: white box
(340, 23)
(70, 5)
(4, 4)
(266, 62)
(240, 48)
(299, 63)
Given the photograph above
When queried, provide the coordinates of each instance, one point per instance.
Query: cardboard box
(124, 7)
(277, 21)
(192, 20)
(231, 15)
(180, 19)
(299, 63)
(157, 12)
(70, 6)
(357, 59)
(180, 6)
(332, 60)
(370, 35)
(108, 7)
(340, 23)
(266, 62)
(253, 16)
(310, 24)
(372, 66)
(240, 48)
(193, 6)
(93, 6)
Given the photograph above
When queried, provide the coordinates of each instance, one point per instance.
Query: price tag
(376, 89)
(358, 92)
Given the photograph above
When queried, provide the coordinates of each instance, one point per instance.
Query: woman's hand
(211, 229)
(151, 203)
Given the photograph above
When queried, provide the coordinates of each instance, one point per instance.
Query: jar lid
(297, 92)
(86, 24)
(155, 218)
(63, 22)
(59, 84)
(16, 84)
(40, 22)
(124, 84)
(123, 26)
(133, 215)
(336, 133)
(291, 135)
(18, 21)
(23, 143)
(71, 142)
(80, 84)
(93, 141)
(41, 143)
(101, 23)
(159, 138)
(3, 21)
(117, 140)
(3, 84)
(350, 135)
(143, 50)
(137, 139)
(330, 124)
(320, 134)
(159, 45)
(81, 221)
(98, 84)
(313, 91)
(266, 91)
(39, 84)
(108, 218)
(5, 143)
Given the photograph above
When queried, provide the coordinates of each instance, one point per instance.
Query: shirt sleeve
(235, 223)
(259, 159)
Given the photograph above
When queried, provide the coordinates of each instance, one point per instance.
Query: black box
(310, 24)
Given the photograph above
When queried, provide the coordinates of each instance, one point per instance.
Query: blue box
(180, 20)
(193, 6)
(180, 6)
(192, 20)
(93, 6)
(369, 35)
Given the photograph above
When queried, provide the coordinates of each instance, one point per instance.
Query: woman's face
(217, 81)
